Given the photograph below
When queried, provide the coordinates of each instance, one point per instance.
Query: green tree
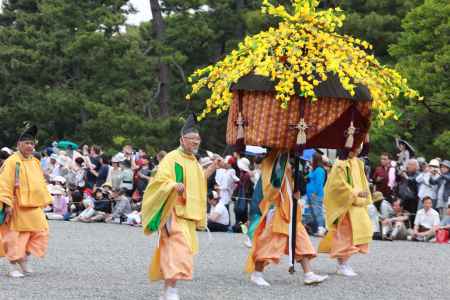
(68, 66)
(423, 55)
(376, 21)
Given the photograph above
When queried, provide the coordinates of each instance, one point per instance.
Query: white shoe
(258, 279)
(312, 278)
(170, 294)
(345, 270)
(321, 232)
(15, 272)
(248, 243)
(26, 269)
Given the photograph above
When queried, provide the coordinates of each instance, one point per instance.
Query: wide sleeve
(365, 188)
(203, 222)
(159, 197)
(339, 193)
(7, 181)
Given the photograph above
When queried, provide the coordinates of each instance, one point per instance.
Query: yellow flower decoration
(300, 52)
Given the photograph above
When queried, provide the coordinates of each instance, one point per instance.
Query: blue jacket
(316, 182)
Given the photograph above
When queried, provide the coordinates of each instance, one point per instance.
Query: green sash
(155, 222)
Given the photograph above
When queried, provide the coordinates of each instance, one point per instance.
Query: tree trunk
(164, 79)
(240, 29)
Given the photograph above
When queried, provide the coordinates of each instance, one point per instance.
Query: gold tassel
(350, 136)
(301, 136)
(240, 123)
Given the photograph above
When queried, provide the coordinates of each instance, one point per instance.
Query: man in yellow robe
(347, 196)
(174, 206)
(273, 237)
(23, 195)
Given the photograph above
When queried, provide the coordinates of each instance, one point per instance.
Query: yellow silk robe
(346, 179)
(28, 197)
(161, 193)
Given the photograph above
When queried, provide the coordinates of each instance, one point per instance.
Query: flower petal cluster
(297, 56)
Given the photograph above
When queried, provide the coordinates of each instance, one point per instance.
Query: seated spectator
(122, 206)
(59, 204)
(76, 200)
(107, 188)
(395, 226)
(88, 205)
(426, 222)
(218, 218)
(378, 210)
(102, 206)
(374, 215)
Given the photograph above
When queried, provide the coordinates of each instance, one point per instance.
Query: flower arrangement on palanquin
(300, 83)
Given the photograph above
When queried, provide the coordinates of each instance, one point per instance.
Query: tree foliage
(76, 68)
(423, 55)
(300, 53)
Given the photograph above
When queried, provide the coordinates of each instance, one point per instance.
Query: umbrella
(66, 144)
(408, 146)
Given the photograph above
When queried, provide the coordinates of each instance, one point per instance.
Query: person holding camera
(426, 187)
(443, 182)
(407, 188)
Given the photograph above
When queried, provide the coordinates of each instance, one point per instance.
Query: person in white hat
(115, 175)
(7, 150)
(425, 187)
(59, 204)
(52, 168)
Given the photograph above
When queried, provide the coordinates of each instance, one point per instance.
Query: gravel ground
(106, 261)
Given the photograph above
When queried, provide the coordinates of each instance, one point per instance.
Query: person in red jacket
(381, 177)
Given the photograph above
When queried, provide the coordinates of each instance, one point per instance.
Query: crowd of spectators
(413, 197)
(410, 195)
